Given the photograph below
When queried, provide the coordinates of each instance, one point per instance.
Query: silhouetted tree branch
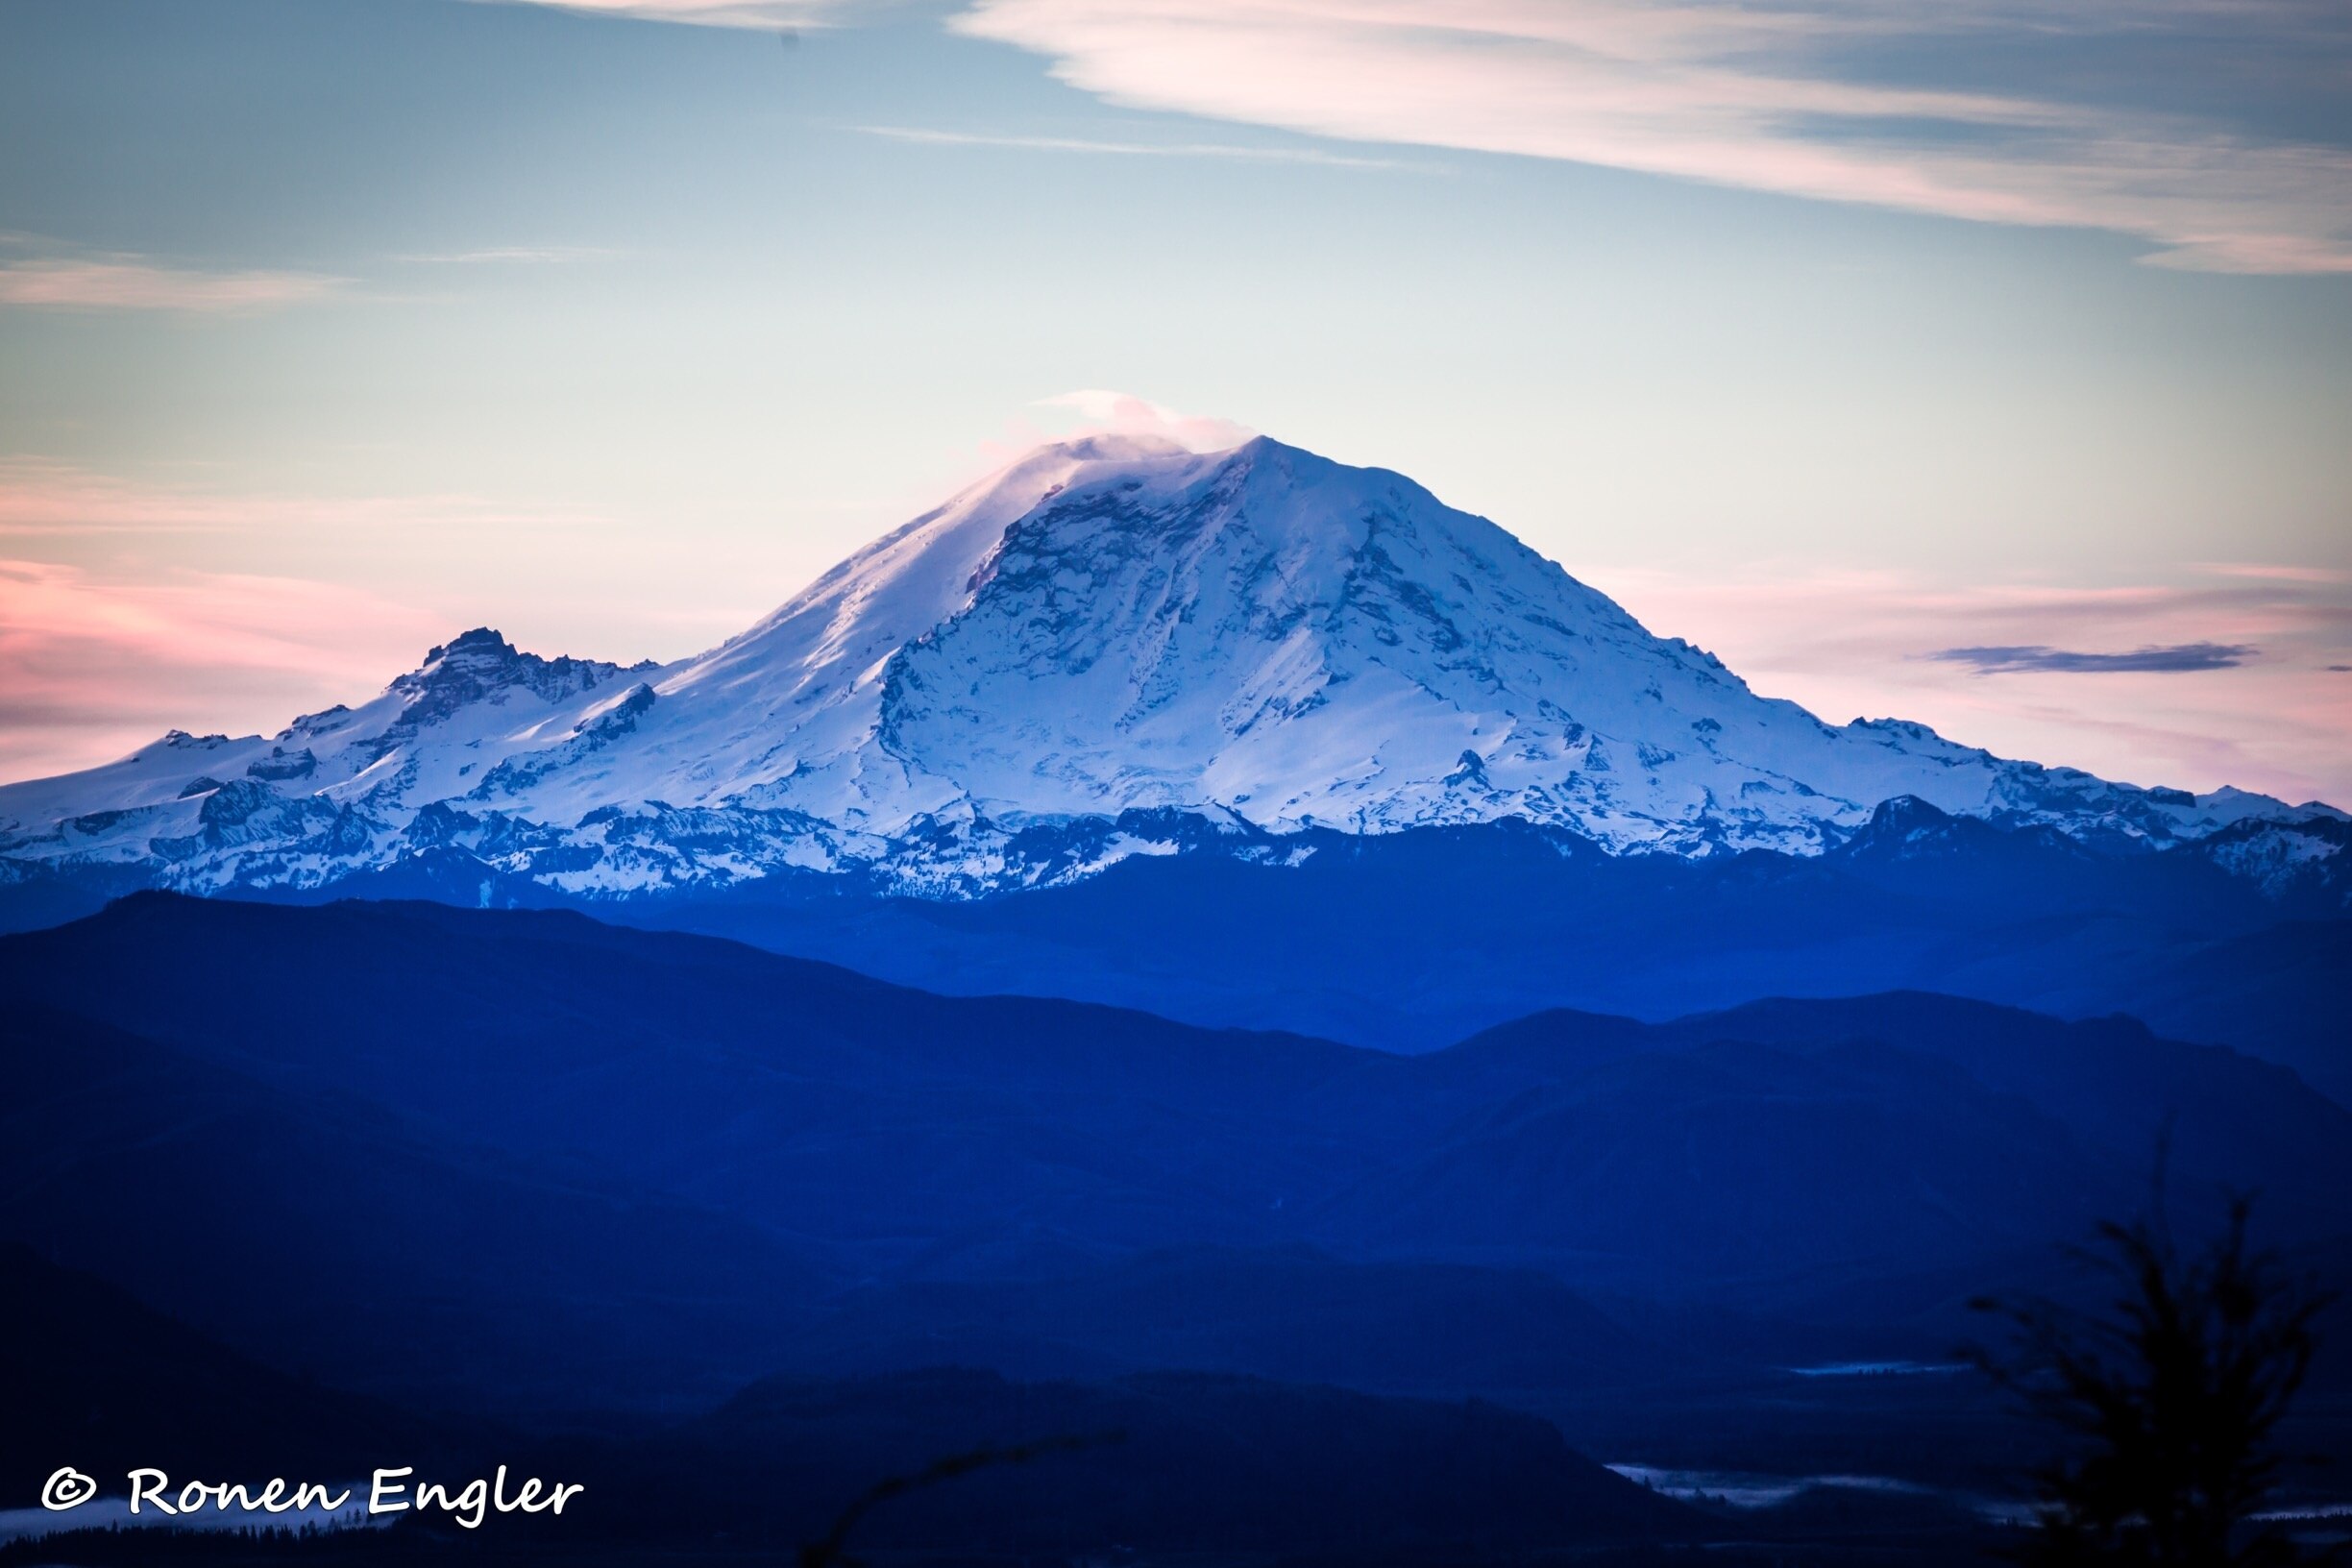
(831, 1552)
(2173, 1396)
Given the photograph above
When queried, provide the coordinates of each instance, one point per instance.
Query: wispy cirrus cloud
(2210, 129)
(41, 497)
(2157, 119)
(2180, 658)
(509, 255)
(741, 13)
(2274, 572)
(1131, 148)
(126, 282)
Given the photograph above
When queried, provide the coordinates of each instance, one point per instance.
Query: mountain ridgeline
(1113, 648)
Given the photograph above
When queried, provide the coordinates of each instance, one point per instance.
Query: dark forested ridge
(519, 1166)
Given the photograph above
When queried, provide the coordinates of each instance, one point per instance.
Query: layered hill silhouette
(526, 1160)
(1413, 940)
(1168, 1461)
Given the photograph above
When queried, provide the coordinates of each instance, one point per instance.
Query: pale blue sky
(327, 329)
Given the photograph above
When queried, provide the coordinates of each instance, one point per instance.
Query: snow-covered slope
(1253, 639)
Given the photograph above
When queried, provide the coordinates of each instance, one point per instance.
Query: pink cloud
(42, 497)
(2272, 572)
(92, 667)
(1095, 410)
(130, 608)
(129, 283)
(1865, 645)
(1098, 409)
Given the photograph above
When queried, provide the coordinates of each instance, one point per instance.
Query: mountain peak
(1106, 633)
(478, 664)
(481, 643)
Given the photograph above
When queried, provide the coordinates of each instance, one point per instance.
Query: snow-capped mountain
(1114, 646)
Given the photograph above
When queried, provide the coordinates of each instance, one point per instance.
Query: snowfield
(1247, 643)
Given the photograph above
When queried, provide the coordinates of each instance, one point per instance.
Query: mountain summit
(1254, 642)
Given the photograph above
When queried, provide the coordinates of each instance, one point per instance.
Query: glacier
(1114, 646)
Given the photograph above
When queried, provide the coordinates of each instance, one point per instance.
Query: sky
(1987, 364)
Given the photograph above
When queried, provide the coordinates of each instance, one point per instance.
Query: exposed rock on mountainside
(1112, 647)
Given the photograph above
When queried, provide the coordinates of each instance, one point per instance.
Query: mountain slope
(1253, 643)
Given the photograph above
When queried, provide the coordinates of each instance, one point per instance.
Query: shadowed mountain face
(560, 1163)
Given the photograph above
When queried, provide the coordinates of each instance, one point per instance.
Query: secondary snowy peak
(326, 795)
(1107, 632)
